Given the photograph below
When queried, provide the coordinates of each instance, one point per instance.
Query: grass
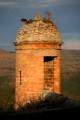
(6, 92)
(70, 74)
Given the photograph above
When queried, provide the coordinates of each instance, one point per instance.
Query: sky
(65, 14)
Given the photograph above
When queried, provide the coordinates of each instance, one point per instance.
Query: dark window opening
(20, 76)
(48, 72)
(48, 58)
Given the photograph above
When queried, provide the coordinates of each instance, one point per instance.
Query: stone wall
(38, 31)
(35, 40)
(30, 81)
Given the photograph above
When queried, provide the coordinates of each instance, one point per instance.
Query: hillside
(7, 62)
(70, 75)
(7, 80)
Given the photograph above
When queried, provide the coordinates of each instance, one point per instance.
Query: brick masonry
(34, 41)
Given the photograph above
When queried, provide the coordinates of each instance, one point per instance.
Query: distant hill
(2, 51)
(70, 73)
(7, 77)
(7, 62)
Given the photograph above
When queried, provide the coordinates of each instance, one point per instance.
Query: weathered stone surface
(38, 31)
(34, 42)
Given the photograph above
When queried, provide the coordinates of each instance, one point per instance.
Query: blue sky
(65, 13)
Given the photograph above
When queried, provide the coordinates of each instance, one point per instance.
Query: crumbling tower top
(38, 30)
(37, 16)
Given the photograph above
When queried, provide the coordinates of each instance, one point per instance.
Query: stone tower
(38, 47)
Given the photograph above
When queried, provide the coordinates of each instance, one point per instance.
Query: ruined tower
(38, 47)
